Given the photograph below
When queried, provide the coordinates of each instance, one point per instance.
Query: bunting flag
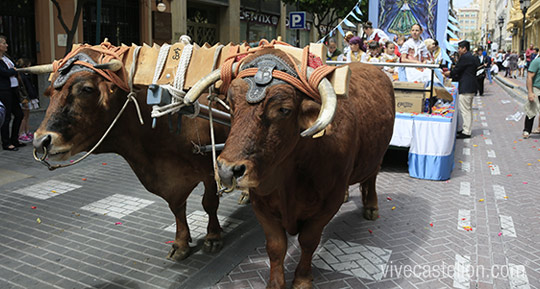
(451, 18)
(346, 21)
(355, 17)
(453, 27)
(450, 46)
(340, 30)
(451, 33)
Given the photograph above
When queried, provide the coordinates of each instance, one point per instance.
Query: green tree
(326, 13)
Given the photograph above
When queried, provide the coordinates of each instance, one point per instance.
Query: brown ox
(80, 112)
(298, 184)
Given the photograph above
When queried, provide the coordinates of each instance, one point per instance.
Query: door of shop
(202, 24)
(17, 24)
(119, 21)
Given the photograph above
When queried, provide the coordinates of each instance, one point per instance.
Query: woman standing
(415, 51)
(8, 95)
(374, 34)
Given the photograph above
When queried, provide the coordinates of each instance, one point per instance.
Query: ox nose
(228, 172)
(42, 142)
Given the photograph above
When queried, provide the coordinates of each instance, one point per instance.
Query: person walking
(532, 107)
(9, 96)
(465, 73)
(528, 53)
(481, 70)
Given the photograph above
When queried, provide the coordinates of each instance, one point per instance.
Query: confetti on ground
(168, 242)
(431, 224)
(475, 145)
(84, 179)
(525, 183)
(460, 162)
(371, 232)
(481, 200)
(509, 175)
(38, 220)
(388, 198)
(104, 164)
(463, 219)
(467, 228)
(506, 197)
(55, 192)
(489, 163)
(500, 234)
(71, 161)
(118, 223)
(393, 208)
(529, 164)
(515, 141)
(514, 147)
(33, 207)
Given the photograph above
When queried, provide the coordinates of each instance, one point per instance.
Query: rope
(176, 90)
(130, 97)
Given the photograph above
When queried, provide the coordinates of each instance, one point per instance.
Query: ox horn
(37, 69)
(328, 107)
(113, 65)
(202, 85)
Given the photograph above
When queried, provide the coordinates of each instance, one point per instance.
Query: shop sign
(259, 17)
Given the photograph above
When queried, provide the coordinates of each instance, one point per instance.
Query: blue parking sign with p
(297, 20)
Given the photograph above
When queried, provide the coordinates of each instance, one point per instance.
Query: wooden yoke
(202, 60)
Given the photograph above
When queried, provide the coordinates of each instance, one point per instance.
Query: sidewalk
(484, 218)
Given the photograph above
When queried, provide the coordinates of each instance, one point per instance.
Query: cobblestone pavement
(93, 225)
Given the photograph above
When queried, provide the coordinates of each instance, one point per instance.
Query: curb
(511, 90)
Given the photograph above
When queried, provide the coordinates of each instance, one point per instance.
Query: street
(93, 225)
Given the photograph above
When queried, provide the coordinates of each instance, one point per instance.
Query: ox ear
(309, 110)
(106, 90)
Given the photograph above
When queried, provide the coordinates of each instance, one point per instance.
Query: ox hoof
(371, 214)
(212, 246)
(346, 198)
(178, 254)
(244, 198)
(302, 285)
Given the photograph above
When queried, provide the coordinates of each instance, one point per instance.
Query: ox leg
(213, 241)
(276, 246)
(180, 248)
(369, 197)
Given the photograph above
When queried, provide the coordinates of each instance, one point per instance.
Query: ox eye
(284, 111)
(87, 89)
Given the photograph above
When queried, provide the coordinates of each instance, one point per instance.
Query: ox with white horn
(37, 69)
(326, 91)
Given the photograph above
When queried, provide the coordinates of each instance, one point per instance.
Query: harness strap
(307, 86)
(107, 53)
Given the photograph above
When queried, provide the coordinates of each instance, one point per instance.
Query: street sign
(297, 20)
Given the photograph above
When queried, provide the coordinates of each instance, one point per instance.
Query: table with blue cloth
(431, 141)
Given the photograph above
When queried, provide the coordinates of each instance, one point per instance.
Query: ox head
(269, 118)
(76, 115)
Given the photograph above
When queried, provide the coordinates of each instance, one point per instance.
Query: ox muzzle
(230, 174)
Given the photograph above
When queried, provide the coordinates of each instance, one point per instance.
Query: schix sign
(258, 17)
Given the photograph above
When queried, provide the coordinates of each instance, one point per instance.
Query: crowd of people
(376, 46)
(17, 96)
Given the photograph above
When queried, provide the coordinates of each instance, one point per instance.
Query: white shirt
(417, 46)
(12, 79)
(382, 36)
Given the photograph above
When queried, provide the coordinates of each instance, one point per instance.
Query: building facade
(34, 30)
(532, 24)
(469, 24)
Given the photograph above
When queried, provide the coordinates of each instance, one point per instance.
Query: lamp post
(501, 24)
(524, 5)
